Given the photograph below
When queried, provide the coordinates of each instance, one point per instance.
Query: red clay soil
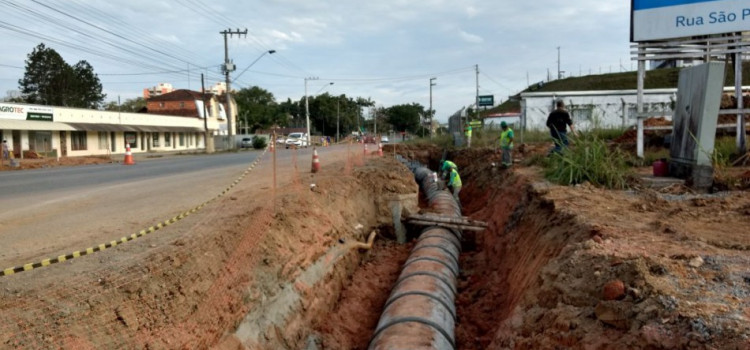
(364, 296)
(35, 162)
(190, 284)
(536, 278)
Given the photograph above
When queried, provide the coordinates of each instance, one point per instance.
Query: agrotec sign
(668, 19)
(26, 112)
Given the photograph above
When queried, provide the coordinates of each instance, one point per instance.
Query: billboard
(667, 19)
(26, 112)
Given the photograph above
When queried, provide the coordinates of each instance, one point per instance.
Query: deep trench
(497, 266)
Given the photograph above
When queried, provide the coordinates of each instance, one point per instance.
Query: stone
(613, 313)
(613, 290)
(696, 262)
(598, 239)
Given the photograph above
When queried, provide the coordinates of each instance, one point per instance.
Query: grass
(589, 160)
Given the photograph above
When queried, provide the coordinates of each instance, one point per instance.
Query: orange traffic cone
(365, 148)
(315, 161)
(380, 149)
(128, 156)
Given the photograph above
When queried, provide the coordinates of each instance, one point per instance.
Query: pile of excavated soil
(584, 267)
(36, 162)
(190, 284)
(631, 135)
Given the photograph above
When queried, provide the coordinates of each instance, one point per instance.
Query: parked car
(384, 139)
(280, 140)
(246, 142)
(296, 139)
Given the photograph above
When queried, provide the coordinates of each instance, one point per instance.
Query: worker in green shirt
(445, 168)
(467, 132)
(506, 144)
(455, 184)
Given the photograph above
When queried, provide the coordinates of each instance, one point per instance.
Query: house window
(78, 140)
(155, 139)
(167, 139)
(182, 139)
(582, 114)
(103, 140)
(161, 104)
(131, 138)
(182, 104)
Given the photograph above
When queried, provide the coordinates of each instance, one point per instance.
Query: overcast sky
(386, 50)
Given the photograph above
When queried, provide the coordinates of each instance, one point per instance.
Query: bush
(259, 142)
(590, 159)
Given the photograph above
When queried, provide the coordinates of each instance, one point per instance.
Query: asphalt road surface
(48, 212)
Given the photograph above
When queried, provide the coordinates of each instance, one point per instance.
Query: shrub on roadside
(259, 142)
(589, 159)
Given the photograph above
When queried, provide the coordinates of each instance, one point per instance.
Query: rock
(635, 293)
(613, 290)
(696, 262)
(613, 313)
(598, 239)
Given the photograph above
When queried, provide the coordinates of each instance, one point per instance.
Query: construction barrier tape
(141, 233)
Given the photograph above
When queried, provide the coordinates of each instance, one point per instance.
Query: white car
(280, 139)
(384, 139)
(296, 139)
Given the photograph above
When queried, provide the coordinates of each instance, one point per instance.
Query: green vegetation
(259, 142)
(655, 79)
(49, 80)
(589, 159)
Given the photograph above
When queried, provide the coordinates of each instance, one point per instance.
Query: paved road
(44, 212)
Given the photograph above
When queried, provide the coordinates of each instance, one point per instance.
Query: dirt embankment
(192, 284)
(582, 267)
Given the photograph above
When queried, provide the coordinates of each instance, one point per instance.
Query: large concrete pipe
(421, 312)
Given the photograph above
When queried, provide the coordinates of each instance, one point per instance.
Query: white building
(605, 109)
(59, 131)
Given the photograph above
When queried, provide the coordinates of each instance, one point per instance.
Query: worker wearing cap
(445, 168)
(506, 144)
(455, 184)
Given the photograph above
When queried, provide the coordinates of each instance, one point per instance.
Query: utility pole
(307, 109)
(477, 99)
(228, 69)
(431, 85)
(338, 116)
(209, 146)
(558, 63)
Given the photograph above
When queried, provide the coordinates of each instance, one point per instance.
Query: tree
(86, 89)
(405, 117)
(257, 108)
(48, 80)
(133, 105)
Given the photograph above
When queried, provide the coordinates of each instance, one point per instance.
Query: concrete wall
(589, 109)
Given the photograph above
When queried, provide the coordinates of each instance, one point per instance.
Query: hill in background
(655, 79)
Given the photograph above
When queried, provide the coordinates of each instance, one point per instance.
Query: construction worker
(506, 144)
(455, 184)
(445, 168)
(467, 132)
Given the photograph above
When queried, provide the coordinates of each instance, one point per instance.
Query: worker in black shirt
(557, 122)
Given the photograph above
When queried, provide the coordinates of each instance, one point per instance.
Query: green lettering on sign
(44, 117)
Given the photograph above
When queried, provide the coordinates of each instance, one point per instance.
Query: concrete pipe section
(421, 312)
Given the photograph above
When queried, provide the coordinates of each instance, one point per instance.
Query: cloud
(472, 11)
(470, 38)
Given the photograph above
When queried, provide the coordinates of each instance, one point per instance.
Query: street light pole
(338, 116)
(431, 85)
(307, 109)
